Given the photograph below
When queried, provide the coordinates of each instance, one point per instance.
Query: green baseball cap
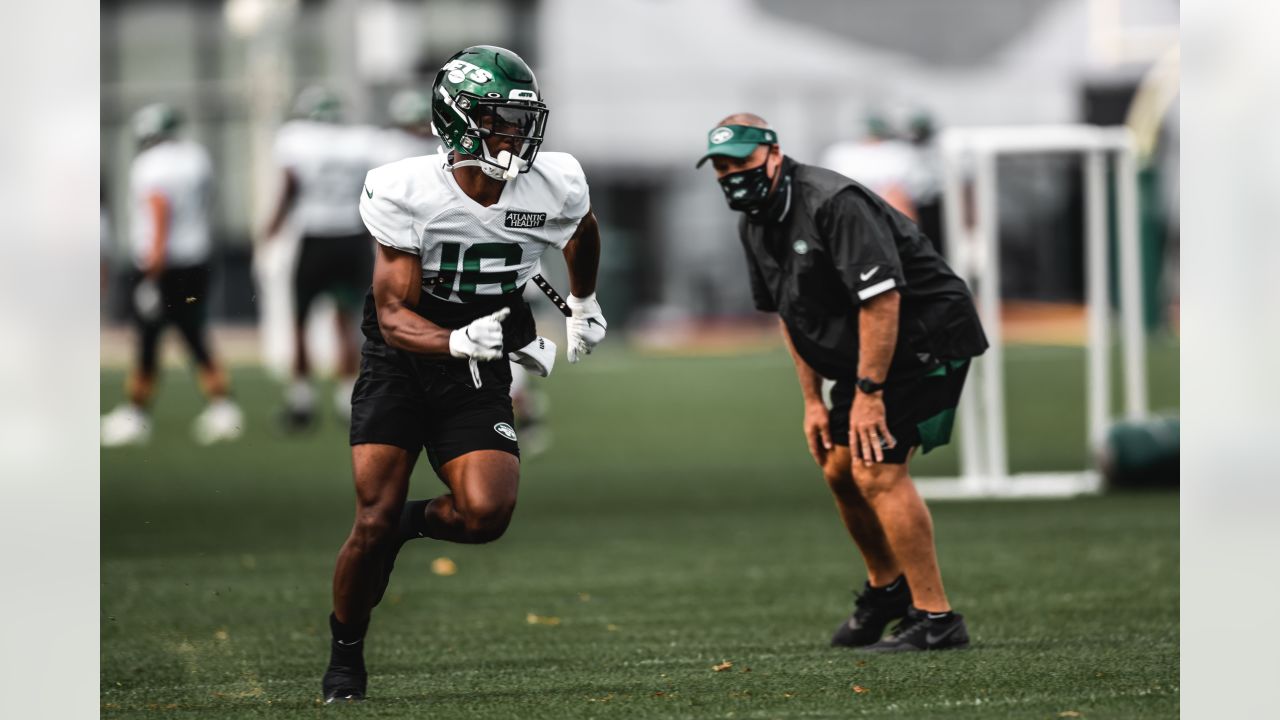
(736, 141)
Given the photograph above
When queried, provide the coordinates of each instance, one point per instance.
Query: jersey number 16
(471, 275)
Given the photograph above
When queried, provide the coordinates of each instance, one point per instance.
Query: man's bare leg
(382, 482)
(483, 486)
(860, 519)
(908, 527)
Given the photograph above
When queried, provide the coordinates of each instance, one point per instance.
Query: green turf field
(676, 524)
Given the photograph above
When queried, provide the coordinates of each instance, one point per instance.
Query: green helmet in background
(155, 122)
(482, 92)
(318, 103)
(409, 108)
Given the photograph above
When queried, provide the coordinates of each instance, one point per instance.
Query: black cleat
(294, 421)
(918, 631)
(345, 680)
(873, 610)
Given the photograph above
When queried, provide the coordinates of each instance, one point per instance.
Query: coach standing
(865, 301)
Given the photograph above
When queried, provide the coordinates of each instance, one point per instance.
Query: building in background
(632, 86)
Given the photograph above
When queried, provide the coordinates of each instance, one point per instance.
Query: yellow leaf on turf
(1069, 713)
(859, 689)
(444, 567)
(722, 666)
(534, 619)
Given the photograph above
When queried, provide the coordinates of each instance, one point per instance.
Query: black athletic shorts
(184, 303)
(413, 402)
(920, 410)
(339, 266)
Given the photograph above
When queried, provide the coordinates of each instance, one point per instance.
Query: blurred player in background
(324, 163)
(865, 301)
(926, 183)
(879, 161)
(169, 186)
(410, 132)
(459, 235)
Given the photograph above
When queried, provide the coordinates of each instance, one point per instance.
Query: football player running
(169, 183)
(324, 163)
(458, 236)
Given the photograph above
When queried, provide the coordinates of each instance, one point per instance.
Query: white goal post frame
(974, 253)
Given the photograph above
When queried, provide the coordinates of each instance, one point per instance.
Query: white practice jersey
(416, 206)
(329, 162)
(878, 165)
(396, 144)
(179, 171)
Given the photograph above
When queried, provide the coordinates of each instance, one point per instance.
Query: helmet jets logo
(460, 70)
(721, 135)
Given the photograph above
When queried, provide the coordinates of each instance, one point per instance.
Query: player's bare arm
(159, 207)
(585, 328)
(817, 424)
(287, 196)
(397, 287)
(582, 256)
(877, 337)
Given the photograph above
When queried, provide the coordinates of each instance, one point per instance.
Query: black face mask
(747, 190)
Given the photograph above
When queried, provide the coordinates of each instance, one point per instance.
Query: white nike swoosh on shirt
(867, 275)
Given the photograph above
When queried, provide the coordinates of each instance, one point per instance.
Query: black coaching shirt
(832, 245)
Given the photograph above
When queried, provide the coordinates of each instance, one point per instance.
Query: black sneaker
(918, 631)
(873, 610)
(345, 680)
(296, 420)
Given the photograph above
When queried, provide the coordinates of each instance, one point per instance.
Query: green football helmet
(318, 103)
(488, 92)
(410, 108)
(155, 122)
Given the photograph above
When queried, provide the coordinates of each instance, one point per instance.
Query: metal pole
(971, 427)
(1098, 377)
(1133, 335)
(988, 235)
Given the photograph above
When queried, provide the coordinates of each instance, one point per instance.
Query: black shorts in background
(184, 303)
(340, 266)
(919, 410)
(413, 402)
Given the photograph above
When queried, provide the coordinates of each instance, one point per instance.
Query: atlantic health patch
(521, 219)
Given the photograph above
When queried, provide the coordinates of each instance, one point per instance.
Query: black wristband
(869, 386)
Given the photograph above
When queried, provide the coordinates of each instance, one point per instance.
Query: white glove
(538, 356)
(585, 328)
(481, 340)
(147, 300)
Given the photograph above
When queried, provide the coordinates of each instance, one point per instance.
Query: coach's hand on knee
(481, 340)
(868, 430)
(817, 431)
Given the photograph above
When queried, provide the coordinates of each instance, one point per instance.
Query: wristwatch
(869, 386)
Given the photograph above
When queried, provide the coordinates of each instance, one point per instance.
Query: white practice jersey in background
(180, 171)
(329, 162)
(396, 144)
(879, 165)
(416, 206)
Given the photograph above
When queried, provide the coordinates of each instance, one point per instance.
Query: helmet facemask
(514, 126)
